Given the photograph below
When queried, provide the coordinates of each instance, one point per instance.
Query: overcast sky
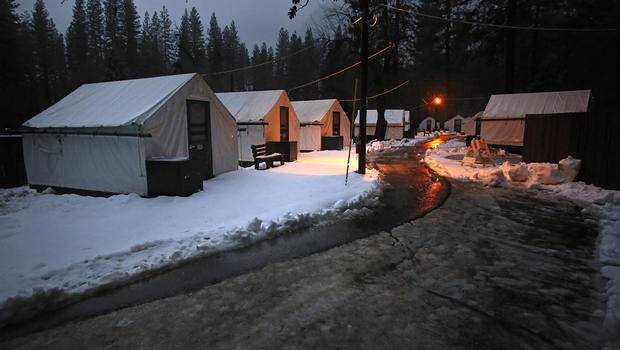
(256, 20)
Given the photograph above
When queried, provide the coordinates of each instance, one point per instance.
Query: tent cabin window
(199, 137)
(336, 123)
(428, 125)
(284, 124)
(457, 125)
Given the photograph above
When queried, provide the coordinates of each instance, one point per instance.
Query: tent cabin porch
(152, 136)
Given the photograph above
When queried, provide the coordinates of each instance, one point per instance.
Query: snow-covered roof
(110, 104)
(250, 106)
(458, 116)
(392, 116)
(312, 110)
(519, 105)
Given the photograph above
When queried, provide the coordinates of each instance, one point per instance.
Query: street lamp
(437, 101)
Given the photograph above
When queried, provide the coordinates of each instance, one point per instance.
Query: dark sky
(256, 20)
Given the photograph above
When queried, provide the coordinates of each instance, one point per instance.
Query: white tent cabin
(454, 124)
(427, 124)
(395, 119)
(324, 125)
(263, 117)
(469, 124)
(503, 119)
(125, 136)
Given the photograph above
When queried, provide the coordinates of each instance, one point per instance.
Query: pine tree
(166, 40)
(197, 42)
(214, 52)
(114, 55)
(42, 49)
(185, 61)
(129, 27)
(77, 44)
(295, 66)
(282, 50)
(96, 44)
(231, 53)
(14, 66)
(242, 77)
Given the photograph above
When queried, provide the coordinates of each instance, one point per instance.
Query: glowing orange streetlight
(437, 101)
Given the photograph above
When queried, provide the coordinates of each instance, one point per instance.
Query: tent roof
(250, 106)
(312, 110)
(518, 105)
(110, 104)
(392, 116)
(458, 116)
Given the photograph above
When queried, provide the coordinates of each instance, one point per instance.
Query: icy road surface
(493, 268)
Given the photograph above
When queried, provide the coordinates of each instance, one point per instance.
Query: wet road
(412, 191)
(492, 268)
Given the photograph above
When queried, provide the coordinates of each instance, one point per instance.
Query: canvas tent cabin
(504, 118)
(324, 125)
(454, 124)
(263, 117)
(427, 124)
(161, 135)
(395, 119)
(471, 125)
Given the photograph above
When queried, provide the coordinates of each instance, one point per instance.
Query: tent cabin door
(457, 125)
(336, 123)
(199, 137)
(284, 124)
(428, 126)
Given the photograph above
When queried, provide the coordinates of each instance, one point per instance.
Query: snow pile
(445, 159)
(73, 243)
(381, 146)
(609, 255)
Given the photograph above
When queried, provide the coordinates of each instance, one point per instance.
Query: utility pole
(361, 167)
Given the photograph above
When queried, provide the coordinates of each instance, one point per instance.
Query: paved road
(491, 269)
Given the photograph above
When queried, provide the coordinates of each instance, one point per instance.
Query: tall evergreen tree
(129, 27)
(166, 39)
(77, 44)
(114, 52)
(14, 67)
(214, 51)
(197, 47)
(185, 61)
(295, 66)
(282, 50)
(96, 43)
(231, 54)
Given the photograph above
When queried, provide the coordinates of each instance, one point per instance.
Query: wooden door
(199, 137)
(284, 127)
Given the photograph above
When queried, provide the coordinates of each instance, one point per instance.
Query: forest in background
(109, 40)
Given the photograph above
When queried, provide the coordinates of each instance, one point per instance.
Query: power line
(501, 26)
(391, 46)
(379, 94)
(260, 64)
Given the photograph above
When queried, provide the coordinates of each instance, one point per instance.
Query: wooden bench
(261, 155)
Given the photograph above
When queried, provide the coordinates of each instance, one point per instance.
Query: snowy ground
(554, 179)
(74, 243)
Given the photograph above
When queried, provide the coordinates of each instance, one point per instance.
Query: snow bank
(556, 180)
(381, 146)
(73, 243)
(531, 175)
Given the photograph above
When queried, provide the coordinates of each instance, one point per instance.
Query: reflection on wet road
(412, 192)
